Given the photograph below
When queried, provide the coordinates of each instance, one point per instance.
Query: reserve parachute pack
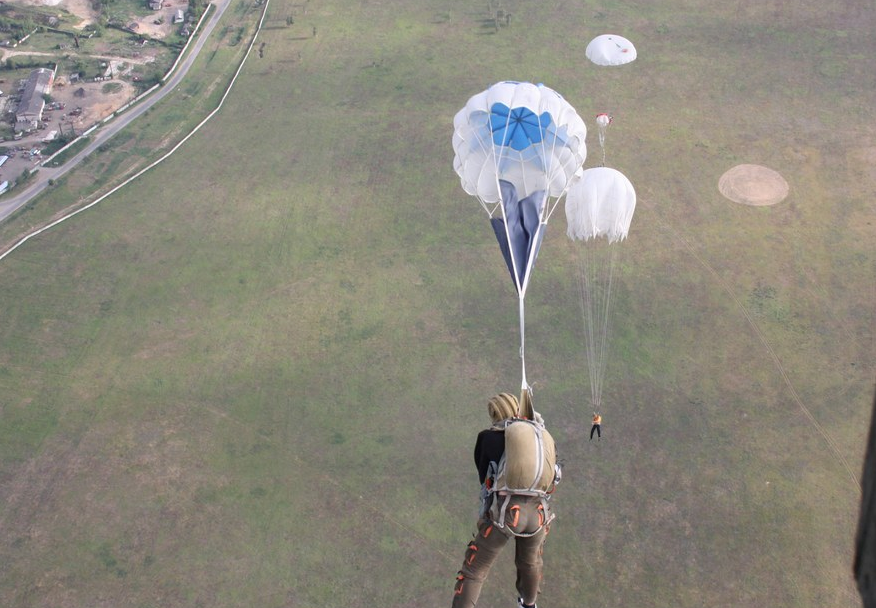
(527, 468)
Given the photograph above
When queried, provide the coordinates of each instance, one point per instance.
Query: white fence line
(139, 97)
(29, 236)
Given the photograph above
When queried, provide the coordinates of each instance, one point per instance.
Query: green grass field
(254, 377)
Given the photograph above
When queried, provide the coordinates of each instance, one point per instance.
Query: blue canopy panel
(517, 128)
(525, 231)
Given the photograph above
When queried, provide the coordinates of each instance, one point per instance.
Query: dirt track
(145, 25)
(80, 8)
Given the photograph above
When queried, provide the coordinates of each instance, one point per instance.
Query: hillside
(255, 377)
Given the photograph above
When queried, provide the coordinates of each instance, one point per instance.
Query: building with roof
(30, 108)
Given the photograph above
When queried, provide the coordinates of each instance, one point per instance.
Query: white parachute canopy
(600, 204)
(610, 49)
(519, 132)
(599, 209)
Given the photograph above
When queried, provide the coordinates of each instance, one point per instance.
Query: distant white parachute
(603, 120)
(600, 203)
(610, 49)
(599, 211)
(517, 146)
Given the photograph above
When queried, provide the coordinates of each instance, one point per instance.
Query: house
(179, 17)
(30, 108)
(155, 5)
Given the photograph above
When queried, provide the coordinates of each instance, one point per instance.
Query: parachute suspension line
(524, 385)
(550, 173)
(556, 204)
(606, 317)
(603, 120)
(501, 205)
(595, 277)
(520, 288)
(533, 249)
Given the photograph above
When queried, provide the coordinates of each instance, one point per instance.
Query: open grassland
(254, 377)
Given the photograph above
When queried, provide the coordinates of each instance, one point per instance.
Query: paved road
(103, 133)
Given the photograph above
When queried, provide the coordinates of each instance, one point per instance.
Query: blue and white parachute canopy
(610, 49)
(600, 204)
(516, 148)
(522, 133)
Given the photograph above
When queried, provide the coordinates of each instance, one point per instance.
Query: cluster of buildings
(33, 102)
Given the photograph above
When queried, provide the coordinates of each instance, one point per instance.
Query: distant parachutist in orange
(597, 426)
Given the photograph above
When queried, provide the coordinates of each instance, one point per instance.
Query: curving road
(106, 131)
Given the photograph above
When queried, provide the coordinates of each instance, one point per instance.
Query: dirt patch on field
(145, 25)
(97, 100)
(80, 8)
(753, 185)
(159, 24)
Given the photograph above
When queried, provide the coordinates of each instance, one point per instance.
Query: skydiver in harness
(516, 462)
(597, 426)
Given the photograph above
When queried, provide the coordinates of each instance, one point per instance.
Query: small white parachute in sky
(610, 49)
(600, 204)
(602, 122)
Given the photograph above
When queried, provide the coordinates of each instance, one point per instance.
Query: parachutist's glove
(558, 474)
(537, 418)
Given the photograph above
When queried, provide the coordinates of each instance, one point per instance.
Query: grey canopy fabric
(519, 239)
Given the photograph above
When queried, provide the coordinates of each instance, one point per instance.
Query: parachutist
(516, 503)
(599, 210)
(597, 427)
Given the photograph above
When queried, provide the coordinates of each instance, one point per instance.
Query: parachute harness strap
(499, 521)
(522, 340)
(498, 512)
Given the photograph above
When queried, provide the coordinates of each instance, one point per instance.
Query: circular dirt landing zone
(753, 185)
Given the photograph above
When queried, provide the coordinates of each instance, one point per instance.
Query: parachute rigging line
(595, 278)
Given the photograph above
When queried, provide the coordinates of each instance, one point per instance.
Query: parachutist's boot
(520, 604)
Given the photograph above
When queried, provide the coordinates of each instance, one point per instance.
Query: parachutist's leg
(529, 550)
(479, 558)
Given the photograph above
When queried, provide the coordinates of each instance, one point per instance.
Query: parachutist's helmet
(502, 407)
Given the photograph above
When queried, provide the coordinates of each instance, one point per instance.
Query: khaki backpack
(526, 468)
